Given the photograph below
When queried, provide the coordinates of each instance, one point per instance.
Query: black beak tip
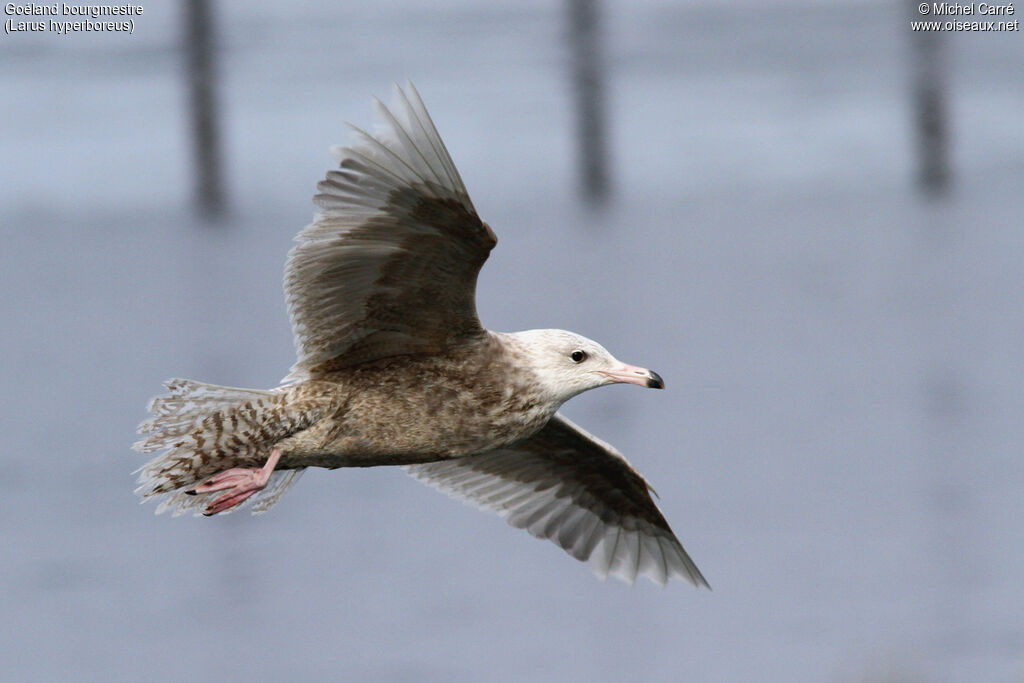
(655, 381)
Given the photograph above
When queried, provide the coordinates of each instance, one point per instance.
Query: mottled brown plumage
(394, 368)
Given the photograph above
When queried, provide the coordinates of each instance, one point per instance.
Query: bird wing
(389, 265)
(566, 485)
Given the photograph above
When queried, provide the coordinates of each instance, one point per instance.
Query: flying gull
(394, 368)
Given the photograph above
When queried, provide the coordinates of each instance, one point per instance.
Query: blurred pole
(931, 108)
(588, 84)
(200, 54)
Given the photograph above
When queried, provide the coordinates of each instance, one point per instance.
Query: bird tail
(205, 429)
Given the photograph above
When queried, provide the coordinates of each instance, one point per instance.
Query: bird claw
(229, 500)
(239, 482)
(228, 479)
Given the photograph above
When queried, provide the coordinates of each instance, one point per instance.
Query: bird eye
(578, 356)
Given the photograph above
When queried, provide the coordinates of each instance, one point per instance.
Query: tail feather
(182, 410)
(205, 429)
(280, 481)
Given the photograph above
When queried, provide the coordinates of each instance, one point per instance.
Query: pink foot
(239, 482)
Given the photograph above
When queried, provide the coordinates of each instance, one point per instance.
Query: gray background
(839, 446)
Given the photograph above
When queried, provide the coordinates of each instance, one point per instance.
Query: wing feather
(389, 265)
(565, 485)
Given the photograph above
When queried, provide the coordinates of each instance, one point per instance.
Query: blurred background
(802, 214)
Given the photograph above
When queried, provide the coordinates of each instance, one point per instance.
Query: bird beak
(631, 374)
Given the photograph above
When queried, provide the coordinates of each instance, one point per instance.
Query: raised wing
(390, 263)
(567, 486)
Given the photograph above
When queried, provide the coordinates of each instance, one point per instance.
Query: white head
(567, 364)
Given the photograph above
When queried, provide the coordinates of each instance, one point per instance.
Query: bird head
(567, 364)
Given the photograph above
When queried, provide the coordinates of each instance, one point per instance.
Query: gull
(394, 368)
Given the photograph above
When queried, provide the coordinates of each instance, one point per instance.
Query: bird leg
(239, 482)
